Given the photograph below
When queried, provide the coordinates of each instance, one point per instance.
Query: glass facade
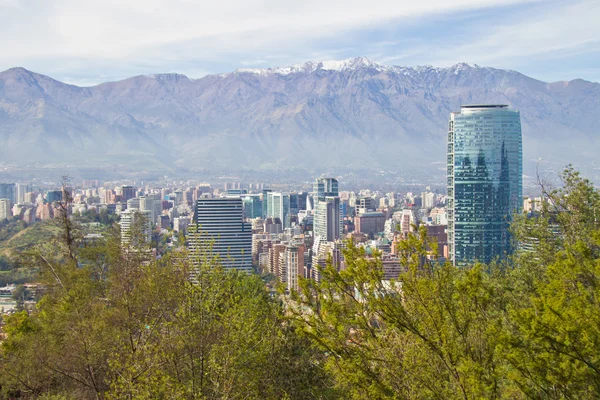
(253, 206)
(219, 230)
(484, 181)
(328, 222)
(278, 206)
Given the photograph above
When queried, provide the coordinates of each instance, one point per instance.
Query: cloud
(571, 28)
(88, 41)
(114, 29)
(543, 36)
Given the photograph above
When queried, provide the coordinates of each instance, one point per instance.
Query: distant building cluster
(294, 232)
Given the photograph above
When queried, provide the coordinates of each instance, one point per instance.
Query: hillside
(312, 115)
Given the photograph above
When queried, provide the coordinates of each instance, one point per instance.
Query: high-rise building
(7, 191)
(265, 202)
(323, 187)
(134, 203)
(253, 206)
(153, 205)
(484, 181)
(5, 209)
(127, 192)
(428, 199)
(365, 204)
(278, 206)
(219, 230)
(328, 221)
(54, 195)
(21, 190)
(407, 220)
(136, 228)
(370, 223)
(294, 265)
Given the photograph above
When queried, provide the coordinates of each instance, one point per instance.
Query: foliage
(102, 216)
(15, 241)
(10, 227)
(115, 324)
(528, 329)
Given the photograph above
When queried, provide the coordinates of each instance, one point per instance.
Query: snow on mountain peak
(353, 64)
(349, 64)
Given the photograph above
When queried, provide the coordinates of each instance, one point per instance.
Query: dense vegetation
(114, 326)
(17, 237)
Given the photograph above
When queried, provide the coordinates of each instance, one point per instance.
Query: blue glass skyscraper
(485, 168)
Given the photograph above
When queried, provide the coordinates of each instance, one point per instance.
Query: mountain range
(332, 114)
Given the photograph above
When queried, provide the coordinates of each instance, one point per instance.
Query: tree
(115, 324)
(553, 330)
(429, 334)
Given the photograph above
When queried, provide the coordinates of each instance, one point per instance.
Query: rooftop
(484, 106)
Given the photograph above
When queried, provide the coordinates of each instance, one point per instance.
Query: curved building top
(484, 106)
(467, 109)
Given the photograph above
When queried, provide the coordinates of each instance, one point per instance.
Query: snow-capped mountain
(350, 113)
(351, 64)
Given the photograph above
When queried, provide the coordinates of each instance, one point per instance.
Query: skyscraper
(127, 192)
(253, 206)
(21, 190)
(484, 181)
(54, 195)
(5, 210)
(327, 226)
(219, 228)
(7, 191)
(265, 205)
(136, 228)
(278, 206)
(153, 205)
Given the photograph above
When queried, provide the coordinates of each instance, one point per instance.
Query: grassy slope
(36, 234)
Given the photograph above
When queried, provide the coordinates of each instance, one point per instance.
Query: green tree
(432, 333)
(114, 323)
(553, 331)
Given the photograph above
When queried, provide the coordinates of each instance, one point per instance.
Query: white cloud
(119, 29)
(81, 40)
(559, 31)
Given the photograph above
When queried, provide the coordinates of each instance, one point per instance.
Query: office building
(54, 195)
(370, 223)
(265, 203)
(365, 204)
(136, 228)
(7, 191)
(294, 265)
(153, 205)
(278, 206)
(328, 222)
(127, 192)
(327, 216)
(219, 230)
(484, 181)
(253, 206)
(5, 209)
(438, 234)
(21, 190)
(134, 203)
(298, 202)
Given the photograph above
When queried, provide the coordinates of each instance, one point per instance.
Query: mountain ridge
(318, 114)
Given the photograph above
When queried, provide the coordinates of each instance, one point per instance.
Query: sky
(85, 42)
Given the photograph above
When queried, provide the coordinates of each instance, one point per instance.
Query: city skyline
(327, 199)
